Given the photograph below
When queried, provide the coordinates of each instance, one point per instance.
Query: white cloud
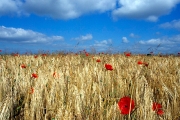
(144, 9)
(57, 38)
(59, 9)
(151, 41)
(165, 45)
(67, 9)
(152, 18)
(157, 41)
(9, 7)
(124, 40)
(173, 24)
(11, 34)
(84, 37)
(133, 35)
(103, 43)
(174, 40)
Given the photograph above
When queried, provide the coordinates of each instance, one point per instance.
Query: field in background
(77, 87)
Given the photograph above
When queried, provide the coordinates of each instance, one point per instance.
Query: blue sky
(139, 26)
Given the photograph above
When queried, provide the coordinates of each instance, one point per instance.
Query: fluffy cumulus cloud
(144, 9)
(59, 9)
(84, 37)
(163, 44)
(9, 7)
(155, 41)
(175, 24)
(67, 9)
(103, 43)
(174, 40)
(19, 35)
(124, 40)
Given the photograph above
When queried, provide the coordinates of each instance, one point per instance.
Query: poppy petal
(126, 105)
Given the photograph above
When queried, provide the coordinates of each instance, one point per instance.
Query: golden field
(77, 87)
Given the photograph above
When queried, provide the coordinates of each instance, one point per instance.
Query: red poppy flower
(34, 75)
(126, 105)
(139, 62)
(160, 112)
(31, 90)
(98, 60)
(44, 55)
(54, 74)
(146, 64)
(108, 67)
(35, 56)
(127, 54)
(23, 66)
(15, 54)
(158, 108)
(87, 54)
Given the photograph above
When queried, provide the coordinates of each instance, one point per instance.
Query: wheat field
(77, 87)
